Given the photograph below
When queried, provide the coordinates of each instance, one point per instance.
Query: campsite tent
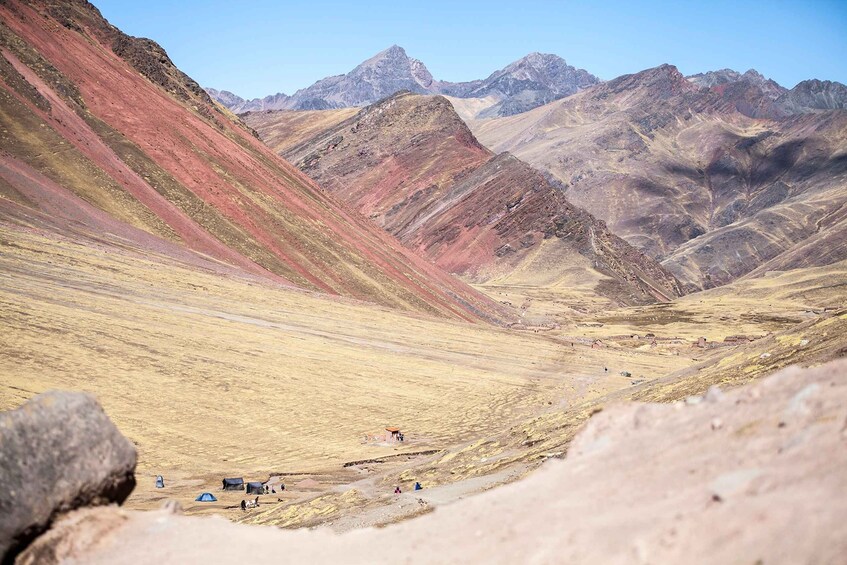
(160, 481)
(255, 488)
(233, 484)
(206, 497)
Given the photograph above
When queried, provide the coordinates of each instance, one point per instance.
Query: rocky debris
(59, 452)
(721, 481)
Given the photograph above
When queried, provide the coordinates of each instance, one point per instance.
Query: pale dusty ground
(755, 475)
(216, 376)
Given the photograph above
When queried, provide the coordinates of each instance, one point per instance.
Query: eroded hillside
(678, 171)
(411, 164)
(92, 115)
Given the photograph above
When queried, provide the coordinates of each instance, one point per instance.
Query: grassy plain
(214, 375)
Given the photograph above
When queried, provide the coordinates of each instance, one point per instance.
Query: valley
(399, 296)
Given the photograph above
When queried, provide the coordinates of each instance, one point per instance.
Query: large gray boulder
(59, 451)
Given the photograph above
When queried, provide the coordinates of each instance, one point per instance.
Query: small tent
(160, 481)
(206, 497)
(255, 488)
(233, 484)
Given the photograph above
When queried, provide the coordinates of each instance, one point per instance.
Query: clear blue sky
(260, 47)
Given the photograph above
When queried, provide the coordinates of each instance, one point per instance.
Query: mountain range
(680, 169)
(758, 97)
(527, 83)
(486, 266)
(412, 165)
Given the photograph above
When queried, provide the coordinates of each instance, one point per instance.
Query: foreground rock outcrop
(754, 475)
(58, 452)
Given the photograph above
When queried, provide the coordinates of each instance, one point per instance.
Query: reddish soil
(410, 163)
(265, 214)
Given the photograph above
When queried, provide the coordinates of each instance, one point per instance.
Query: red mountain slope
(411, 164)
(109, 119)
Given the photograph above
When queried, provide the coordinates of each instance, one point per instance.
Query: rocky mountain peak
(533, 80)
(549, 71)
(715, 78)
(225, 97)
(754, 75)
(814, 95)
(420, 73)
(659, 82)
(393, 63)
(394, 55)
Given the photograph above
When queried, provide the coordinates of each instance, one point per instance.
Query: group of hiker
(417, 487)
(233, 484)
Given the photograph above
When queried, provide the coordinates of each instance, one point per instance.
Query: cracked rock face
(58, 452)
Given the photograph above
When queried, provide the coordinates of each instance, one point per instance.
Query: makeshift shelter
(160, 481)
(255, 488)
(233, 484)
(206, 497)
(393, 434)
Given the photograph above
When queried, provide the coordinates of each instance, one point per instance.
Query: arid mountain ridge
(188, 180)
(524, 84)
(684, 172)
(412, 165)
(527, 83)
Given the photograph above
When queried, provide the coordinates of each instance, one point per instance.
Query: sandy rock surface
(751, 475)
(58, 452)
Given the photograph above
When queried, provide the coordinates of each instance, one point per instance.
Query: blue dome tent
(206, 497)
